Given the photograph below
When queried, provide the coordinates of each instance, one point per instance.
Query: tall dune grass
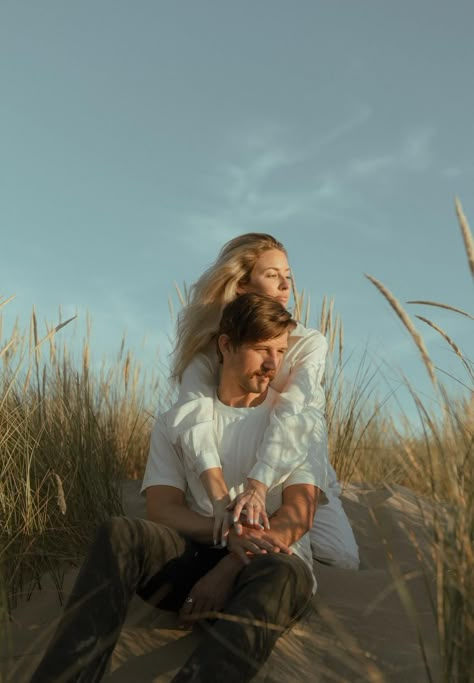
(439, 462)
(70, 432)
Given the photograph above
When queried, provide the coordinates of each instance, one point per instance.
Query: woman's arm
(192, 417)
(297, 423)
(192, 420)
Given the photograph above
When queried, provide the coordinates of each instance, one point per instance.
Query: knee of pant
(336, 555)
(277, 569)
(117, 532)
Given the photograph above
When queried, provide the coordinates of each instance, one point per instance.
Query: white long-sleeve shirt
(297, 426)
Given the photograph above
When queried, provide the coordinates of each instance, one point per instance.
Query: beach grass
(71, 432)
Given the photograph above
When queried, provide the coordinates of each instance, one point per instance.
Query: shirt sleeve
(297, 427)
(163, 466)
(192, 419)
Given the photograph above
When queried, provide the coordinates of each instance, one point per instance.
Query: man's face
(253, 366)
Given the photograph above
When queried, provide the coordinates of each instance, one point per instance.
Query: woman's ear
(241, 288)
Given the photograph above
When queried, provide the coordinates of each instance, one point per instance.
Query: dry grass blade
(52, 332)
(297, 298)
(7, 346)
(440, 305)
(466, 235)
(60, 497)
(452, 343)
(436, 327)
(406, 320)
(4, 303)
(182, 297)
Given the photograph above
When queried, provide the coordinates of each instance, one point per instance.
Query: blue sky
(138, 137)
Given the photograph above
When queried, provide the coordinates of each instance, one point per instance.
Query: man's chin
(261, 384)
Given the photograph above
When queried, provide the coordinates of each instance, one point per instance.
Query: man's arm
(296, 515)
(288, 524)
(166, 505)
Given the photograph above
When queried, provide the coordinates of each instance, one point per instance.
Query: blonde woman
(258, 263)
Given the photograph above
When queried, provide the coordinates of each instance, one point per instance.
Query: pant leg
(126, 556)
(273, 590)
(332, 538)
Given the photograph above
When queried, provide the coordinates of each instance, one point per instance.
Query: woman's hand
(222, 519)
(252, 504)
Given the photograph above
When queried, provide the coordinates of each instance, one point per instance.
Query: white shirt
(297, 424)
(237, 431)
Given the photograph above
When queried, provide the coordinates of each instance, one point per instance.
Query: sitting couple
(261, 446)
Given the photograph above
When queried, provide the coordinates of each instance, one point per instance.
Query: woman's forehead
(273, 258)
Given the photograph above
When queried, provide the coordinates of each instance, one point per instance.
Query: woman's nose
(284, 284)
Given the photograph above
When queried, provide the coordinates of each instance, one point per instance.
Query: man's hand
(252, 503)
(211, 592)
(254, 542)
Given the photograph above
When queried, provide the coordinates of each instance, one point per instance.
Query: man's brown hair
(251, 318)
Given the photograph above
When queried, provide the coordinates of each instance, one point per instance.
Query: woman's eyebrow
(276, 268)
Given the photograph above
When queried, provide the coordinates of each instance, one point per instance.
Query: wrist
(256, 484)
(214, 483)
(232, 563)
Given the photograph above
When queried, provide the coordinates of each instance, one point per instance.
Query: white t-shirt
(238, 434)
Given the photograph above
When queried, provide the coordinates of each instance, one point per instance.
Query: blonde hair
(198, 321)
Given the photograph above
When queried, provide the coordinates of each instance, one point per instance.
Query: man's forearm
(294, 518)
(186, 522)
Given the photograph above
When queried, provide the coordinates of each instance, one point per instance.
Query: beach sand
(364, 625)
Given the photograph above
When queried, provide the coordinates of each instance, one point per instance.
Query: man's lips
(265, 375)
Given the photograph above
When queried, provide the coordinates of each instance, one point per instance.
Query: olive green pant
(131, 556)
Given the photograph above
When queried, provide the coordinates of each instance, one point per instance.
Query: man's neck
(234, 399)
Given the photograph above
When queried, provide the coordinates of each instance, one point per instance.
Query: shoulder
(207, 358)
(307, 340)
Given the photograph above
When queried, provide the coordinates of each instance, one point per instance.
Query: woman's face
(270, 275)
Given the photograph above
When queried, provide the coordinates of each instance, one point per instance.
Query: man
(260, 583)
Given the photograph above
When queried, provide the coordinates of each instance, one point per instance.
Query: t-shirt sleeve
(297, 424)
(164, 466)
(192, 417)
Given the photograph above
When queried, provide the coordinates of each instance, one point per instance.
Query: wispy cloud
(250, 192)
(414, 153)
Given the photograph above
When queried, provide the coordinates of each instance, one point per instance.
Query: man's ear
(223, 344)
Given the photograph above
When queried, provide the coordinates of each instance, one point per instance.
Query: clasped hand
(249, 507)
(251, 541)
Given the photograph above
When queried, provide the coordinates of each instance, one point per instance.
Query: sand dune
(360, 628)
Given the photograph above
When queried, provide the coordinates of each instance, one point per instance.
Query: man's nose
(271, 361)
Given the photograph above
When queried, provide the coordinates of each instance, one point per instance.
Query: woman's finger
(239, 504)
(226, 524)
(264, 519)
(216, 532)
(238, 528)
